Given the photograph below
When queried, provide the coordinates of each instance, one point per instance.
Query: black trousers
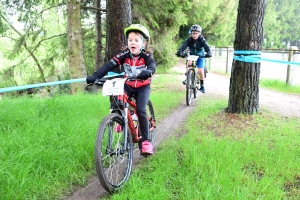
(142, 95)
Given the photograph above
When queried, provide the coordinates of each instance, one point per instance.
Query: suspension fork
(125, 132)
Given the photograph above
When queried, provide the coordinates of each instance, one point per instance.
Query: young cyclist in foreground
(197, 46)
(137, 61)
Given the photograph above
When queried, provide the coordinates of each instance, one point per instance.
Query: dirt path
(284, 104)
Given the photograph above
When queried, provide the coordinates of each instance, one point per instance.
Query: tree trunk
(98, 46)
(118, 18)
(244, 81)
(75, 47)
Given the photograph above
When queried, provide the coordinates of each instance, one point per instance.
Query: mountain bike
(192, 80)
(118, 134)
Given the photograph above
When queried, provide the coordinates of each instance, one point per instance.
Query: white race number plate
(113, 87)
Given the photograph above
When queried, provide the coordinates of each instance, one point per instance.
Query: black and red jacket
(132, 66)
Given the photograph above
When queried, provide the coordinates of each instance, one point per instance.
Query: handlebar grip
(99, 82)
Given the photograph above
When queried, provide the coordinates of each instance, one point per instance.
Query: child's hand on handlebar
(91, 79)
(145, 74)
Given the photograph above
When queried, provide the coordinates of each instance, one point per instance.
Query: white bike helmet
(196, 27)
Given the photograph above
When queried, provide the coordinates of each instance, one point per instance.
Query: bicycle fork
(123, 147)
(193, 78)
(125, 135)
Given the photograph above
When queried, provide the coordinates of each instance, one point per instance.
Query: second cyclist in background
(197, 46)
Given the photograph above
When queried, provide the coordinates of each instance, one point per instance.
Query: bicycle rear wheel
(151, 121)
(189, 87)
(113, 160)
(205, 68)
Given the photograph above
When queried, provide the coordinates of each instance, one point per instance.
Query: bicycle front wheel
(196, 85)
(189, 86)
(113, 153)
(151, 121)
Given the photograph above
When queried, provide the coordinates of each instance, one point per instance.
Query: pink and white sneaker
(147, 148)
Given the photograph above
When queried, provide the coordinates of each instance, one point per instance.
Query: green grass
(47, 144)
(47, 148)
(280, 86)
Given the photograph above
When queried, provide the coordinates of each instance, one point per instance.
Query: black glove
(182, 55)
(207, 55)
(144, 74)
(177, 54)
(91, 79)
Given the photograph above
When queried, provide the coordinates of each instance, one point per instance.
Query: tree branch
(22, 61)
(11, 26)
(93, 8)
(47, 39)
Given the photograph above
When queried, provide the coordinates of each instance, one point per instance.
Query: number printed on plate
(113, 87)
(192, 57)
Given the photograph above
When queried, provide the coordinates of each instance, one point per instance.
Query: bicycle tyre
(196, 84)
(151, 121)
(113, 166)
(189, 87)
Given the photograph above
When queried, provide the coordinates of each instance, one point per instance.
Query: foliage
(89, 48)
(282, 23)
(42, 24)
(36, 39)
(163, 25)
(217, 20)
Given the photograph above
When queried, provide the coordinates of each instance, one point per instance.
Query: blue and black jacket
(196, 47)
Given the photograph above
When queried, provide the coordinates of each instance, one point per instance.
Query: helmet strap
(142, 45)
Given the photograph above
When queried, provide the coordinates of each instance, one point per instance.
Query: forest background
(34, 34)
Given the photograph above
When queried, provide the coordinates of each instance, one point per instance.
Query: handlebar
(185, 55)
(100, 82)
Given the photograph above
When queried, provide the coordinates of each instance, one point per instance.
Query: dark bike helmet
(196, 27)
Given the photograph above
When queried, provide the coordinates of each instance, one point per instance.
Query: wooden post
(213, 49)
(288, 72)
(227, 58)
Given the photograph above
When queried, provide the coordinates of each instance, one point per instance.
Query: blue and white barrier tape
(24, 87)
(247, 52)
(255, 57)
